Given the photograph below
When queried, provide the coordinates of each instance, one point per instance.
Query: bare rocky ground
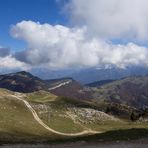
(142, 143)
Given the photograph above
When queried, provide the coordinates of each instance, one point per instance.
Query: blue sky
(14, 11)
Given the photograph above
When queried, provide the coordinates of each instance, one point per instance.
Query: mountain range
(130, 91)
(25, 82)
(61, 108)
(90, 75)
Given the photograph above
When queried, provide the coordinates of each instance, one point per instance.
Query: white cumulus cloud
(62, 47)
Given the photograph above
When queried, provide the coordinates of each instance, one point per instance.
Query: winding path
(36, 117)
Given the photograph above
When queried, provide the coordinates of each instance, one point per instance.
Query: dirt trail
(36, 117)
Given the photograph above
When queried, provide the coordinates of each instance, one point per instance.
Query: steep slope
(21, 82)
(67, 87)
(131, 91)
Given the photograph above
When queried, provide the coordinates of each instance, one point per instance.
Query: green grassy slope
(71, 116)
(17, 122)
(52, 110)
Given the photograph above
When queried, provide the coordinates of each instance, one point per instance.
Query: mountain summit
(21, 82)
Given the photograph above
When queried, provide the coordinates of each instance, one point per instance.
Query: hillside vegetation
(68, 115)
(17, 122)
